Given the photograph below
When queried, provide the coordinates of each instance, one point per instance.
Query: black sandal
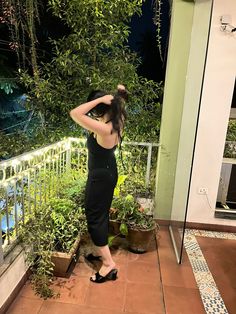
(112, 275)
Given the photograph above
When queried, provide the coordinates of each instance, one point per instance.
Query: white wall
(11, 277)
(215, 109)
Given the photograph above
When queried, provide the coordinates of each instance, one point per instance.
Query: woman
(106, 130)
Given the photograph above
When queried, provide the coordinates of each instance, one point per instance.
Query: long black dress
(102, 179)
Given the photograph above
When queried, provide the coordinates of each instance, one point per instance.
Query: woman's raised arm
(79, 115)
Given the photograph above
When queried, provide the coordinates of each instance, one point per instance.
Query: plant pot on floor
(139, 240)
(114, 227)
(63, 261)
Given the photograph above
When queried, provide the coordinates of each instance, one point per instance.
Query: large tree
(94, 55)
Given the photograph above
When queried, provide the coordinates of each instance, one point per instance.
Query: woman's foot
(104, 271)
(98, 278)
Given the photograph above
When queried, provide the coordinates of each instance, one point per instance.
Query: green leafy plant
(94, 55)
(136, 223)
(68, 222)
(231, 132)
(73, 186)
(53, 227)
(230, 146)
(126, 209)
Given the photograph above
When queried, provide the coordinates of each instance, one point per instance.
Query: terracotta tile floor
(222, 270)
(150, 283)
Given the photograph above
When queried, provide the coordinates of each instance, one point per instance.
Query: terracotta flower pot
(114, 227)
(139, 240)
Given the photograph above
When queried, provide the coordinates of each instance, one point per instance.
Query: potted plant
(115, 216)
(141, 229)
(134, 223)
(68, 222)
(51, 235)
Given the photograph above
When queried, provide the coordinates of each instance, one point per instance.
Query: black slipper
(112, 275)
(91, 258)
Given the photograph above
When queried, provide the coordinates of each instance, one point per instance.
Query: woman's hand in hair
(120, 87)
(107, 99)
(122, 92)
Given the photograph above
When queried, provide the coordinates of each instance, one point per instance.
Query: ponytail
(118, 112)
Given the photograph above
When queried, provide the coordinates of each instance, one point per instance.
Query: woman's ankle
(108, 264)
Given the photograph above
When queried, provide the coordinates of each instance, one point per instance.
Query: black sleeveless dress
(102, 179)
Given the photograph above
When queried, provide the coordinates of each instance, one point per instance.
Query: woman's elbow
(75, 116)
(71, 113)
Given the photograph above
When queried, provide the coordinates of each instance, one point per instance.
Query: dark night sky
(142, 39)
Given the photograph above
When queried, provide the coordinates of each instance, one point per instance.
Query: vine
(157, 21)
(20, 16)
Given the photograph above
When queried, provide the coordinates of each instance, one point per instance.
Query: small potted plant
(135, 223)
(141, 229)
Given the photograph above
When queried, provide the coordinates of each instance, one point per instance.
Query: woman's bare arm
(79, 115)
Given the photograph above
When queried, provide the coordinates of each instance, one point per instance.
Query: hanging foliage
(157, 21)
(21, 17)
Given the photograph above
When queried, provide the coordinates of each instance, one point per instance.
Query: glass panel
(200, 17)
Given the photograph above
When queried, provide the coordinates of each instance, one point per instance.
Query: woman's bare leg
(107, 262)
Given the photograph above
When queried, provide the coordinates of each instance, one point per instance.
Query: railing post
(148, 171)
(1, 253)
(68, 155)
(1, 250)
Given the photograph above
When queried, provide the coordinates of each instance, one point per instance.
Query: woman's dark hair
(116, 110)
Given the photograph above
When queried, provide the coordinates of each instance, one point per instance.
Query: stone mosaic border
(211, 298)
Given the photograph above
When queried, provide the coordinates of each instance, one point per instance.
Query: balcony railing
(29, 180)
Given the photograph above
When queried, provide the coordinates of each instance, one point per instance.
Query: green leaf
(124, 229)
(110, 240)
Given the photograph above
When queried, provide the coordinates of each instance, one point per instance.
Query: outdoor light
(15, 162)
(27, 157)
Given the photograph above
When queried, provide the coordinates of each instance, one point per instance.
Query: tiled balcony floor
(151, 283)
(222, 269)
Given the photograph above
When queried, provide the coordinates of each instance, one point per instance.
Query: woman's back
(99, 156)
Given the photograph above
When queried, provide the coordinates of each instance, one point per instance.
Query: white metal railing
(29, 180)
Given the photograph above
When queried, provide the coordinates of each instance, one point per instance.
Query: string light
(15, 162)
(46, 157)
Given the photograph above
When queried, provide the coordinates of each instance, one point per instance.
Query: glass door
(195, 71)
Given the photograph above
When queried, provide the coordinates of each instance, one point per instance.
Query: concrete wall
(193, 87)
(215, 109)
(174, 93)
(11, 277)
